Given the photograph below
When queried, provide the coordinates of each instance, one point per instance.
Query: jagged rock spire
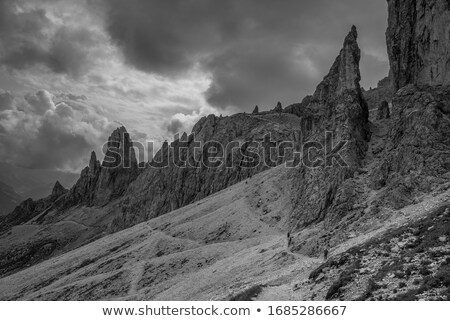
(58, 190)
(120, 152)
(345, 73)
(337, 106)
(97, 184)
(278, 108)
(256, 110)
(94, 165)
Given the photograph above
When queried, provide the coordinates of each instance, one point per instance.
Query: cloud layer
(158, 66)
(36, 132)
(30, 36)
(256, 51)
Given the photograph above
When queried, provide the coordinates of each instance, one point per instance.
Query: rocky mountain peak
(58, 190)
(94, 164)
(337, 106)
(99, 184)
(278, 108)
(120, 152)
(344, 74)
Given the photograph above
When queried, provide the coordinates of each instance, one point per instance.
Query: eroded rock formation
(278, 108)
(99, 184)
(337, 106)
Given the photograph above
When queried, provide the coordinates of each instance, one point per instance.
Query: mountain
(9, 199)
(361, 214)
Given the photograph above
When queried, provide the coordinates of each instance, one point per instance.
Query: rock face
(58, 190)
(383, 111)
(418, 39)
(99, 184)
(416, 154)
(119, 168)
(337, 106)
(84, 189)
(415, 157)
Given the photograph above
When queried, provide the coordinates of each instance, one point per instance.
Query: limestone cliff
(415, 156)
(29, 208)
(418, 39)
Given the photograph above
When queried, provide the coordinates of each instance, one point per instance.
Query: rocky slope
(407, 263)
(212, 249)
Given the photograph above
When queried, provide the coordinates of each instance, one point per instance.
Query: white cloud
(45, 135)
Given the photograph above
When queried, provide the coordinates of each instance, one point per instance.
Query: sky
(73, 71)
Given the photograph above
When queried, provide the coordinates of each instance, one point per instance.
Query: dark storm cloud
(257, 51)
(28, 37)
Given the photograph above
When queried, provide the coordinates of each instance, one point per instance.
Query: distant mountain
(34, 183)
(9, 199)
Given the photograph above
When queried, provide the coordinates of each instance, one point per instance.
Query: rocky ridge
(161, 190)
